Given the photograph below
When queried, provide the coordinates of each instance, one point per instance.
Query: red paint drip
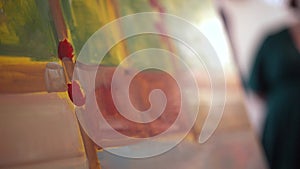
(65, 49)
(76, 94)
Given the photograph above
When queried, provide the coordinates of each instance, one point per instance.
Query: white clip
(55, 78)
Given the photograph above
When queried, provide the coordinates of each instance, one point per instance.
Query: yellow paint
(65, 96)
(107, 13)
(4, 60)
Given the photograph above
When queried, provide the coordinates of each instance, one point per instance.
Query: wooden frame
(61, 30)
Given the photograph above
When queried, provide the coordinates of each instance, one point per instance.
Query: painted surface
(26, 29)
(41, 131)
(21, 75)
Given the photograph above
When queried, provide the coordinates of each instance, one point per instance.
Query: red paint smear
(155, 4)
(76, 94)
(160, 24)
(140, 88)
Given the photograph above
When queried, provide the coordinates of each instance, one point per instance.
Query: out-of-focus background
(40, 129)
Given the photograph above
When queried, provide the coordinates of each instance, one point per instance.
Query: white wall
(249, 22)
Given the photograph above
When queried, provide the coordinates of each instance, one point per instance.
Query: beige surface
(235, 150)
(39, 131)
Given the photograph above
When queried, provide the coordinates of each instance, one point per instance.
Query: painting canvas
(43, 45)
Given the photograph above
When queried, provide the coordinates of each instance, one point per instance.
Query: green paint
(26, 29)
(83, 20)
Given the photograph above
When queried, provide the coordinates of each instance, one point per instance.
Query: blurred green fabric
(276, 76)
